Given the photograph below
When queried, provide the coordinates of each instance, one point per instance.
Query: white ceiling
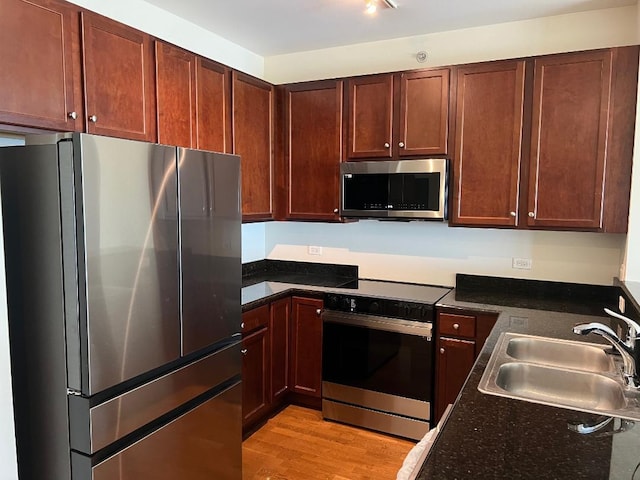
(272, 27)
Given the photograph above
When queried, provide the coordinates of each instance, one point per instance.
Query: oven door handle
(407, 327)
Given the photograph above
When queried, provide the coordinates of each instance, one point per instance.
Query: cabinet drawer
(457, 325)
(258, 317)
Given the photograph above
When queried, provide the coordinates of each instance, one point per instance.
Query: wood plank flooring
(297, 444)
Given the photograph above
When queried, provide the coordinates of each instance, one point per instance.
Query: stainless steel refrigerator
(123, 283)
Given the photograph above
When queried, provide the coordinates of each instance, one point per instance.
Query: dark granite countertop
(490, 437)
(493, 437)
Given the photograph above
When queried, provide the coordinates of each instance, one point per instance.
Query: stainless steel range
(378, 361)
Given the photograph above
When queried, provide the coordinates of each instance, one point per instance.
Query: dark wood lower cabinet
(454, 361)
(279, 327)
(460, 338)
(306, 347)
(255, 375)
(281, 357)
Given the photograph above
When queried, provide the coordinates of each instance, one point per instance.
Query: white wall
(166, 26)
(253, 242)
(431, 253)
(562, 33)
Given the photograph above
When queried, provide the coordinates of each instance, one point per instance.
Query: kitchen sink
(561, 353)
(560, 373)
(557, 386)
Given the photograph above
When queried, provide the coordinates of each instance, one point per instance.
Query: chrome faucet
(627, 348)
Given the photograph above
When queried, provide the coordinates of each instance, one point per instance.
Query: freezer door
(210, 225)
(92, 428)
(127, 268)
(203, 444)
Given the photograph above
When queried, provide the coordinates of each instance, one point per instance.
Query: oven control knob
(374, 307)
(332, 301)
(346, 304)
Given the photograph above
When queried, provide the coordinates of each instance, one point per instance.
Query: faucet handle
(634, 327)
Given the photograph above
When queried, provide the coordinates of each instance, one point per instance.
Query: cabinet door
(118, 79)
(314, 149)
(488, 140)
(213, 106)
(569, 136)
(454, 361)
(38, 74)
(370, 111)
(255, 375)
(253, 141)
(279, 327)
(306, 346)
(176, 95)
(424, 113)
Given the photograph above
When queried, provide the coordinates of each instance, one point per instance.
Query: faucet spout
(629, 363)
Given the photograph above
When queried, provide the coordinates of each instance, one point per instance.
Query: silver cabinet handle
(441, 350)
(531, 214)
(72, 115)
(243, 351)
(513, 214)
(401, 144)
(386, 145)
(93, 118)
(456, 326)
(335, 210)
(319, 311)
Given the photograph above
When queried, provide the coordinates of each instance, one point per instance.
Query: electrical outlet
(521, 263)
(621, 304)
(314, 250)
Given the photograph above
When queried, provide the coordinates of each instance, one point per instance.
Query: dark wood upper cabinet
(193, 100)
(370, 112)
(424, 113)
(119, 79)
(313, 151)
(213, 106)
(571, 97)
(253, 140)
(40, 76)
(176, 95)
(488, 139)
(546, 142)
(398, 115)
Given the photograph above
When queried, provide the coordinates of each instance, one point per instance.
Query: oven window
(386, 362)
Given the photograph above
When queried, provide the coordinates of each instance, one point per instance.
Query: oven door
(379, 364)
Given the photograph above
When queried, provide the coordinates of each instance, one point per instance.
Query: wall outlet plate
(521, 263)
(314, 250)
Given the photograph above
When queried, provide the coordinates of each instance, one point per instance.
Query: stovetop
(388, 299)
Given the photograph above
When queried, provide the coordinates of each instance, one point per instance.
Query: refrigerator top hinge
(71, 391)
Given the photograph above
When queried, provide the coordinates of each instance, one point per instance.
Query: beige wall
(563, 33)
(632, 256)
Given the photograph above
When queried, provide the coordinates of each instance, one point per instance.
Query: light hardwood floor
(297, 444)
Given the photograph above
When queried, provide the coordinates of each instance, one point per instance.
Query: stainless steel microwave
(404, 189)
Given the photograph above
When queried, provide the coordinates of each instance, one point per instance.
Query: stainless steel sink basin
(561, 353)
(560, 373)
(555, 386)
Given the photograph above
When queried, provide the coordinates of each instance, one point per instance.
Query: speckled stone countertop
(490, 437)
